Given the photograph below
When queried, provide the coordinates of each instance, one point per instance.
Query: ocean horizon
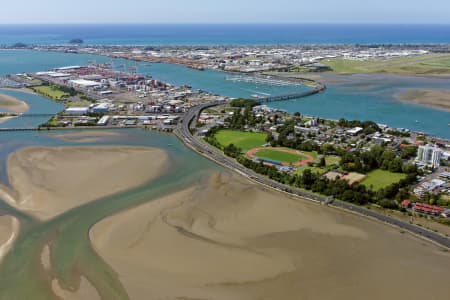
(224, 34)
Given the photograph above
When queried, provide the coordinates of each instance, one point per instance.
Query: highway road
(210, 152)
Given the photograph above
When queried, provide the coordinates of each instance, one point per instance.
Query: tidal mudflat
(226, 238)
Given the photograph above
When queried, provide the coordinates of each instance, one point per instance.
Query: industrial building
(77, 111)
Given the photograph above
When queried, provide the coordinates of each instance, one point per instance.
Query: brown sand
(9, 229)
(85, 291)
(86, 136)
(229, 239)
(433, 98)
(49, 181)
(4, 119)
(12, 104)
(45, 258)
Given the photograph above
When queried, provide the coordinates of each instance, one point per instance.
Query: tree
(307, 179)
(322, 162)
(243, 103)
(232, 151)
(396, 165)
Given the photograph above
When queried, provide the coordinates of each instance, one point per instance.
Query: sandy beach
(12, 104)
(49, 181)
(227, 238)
(9, 229)
(439, 99)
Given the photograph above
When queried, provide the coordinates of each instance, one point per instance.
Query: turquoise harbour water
(40, 110)
(360, 97)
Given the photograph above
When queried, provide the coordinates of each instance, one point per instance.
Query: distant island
(76, 41)
(19, 45)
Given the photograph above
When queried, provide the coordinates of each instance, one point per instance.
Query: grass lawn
(421, 64)
(243, 140)
(281, 156)
(332, 160)
(211, 111)
(50, 92)
(380, 179)
(313, 154)
(317, 170)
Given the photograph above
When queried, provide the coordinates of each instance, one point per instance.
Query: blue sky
(229, 11)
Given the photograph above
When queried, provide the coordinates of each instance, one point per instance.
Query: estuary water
(354, 97)
(40, 110)
(21, 276)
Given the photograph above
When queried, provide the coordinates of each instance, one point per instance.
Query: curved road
(183, 132)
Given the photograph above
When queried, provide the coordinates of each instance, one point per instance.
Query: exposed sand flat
(12, 104)
(49, 181)
(434, 98)
(85, 291)
(229, 239)
(9, 229)
(4, 119)
(86, 136)
(45, 258)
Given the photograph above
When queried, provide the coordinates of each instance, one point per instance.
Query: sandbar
(46, 182)
(85, 291)
(9, 229)
(86, 136)
(434, 98)
(12, 104)
(227, 238)
(4, 119)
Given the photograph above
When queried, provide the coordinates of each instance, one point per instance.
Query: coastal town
(295, 144)
(97, 95)
(251, 59)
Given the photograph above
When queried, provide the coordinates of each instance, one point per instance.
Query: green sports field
(243, 140)
(280, 156)
(50, 92)
(380, 179)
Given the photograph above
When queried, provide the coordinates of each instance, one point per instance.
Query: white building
(84, 83)
(355, 131)
(77, 111)
(429, 155)
(103, 121)
(101, 108)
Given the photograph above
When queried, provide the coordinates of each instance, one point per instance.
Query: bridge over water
(27, 123)
(291, 96)
(319, 87)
